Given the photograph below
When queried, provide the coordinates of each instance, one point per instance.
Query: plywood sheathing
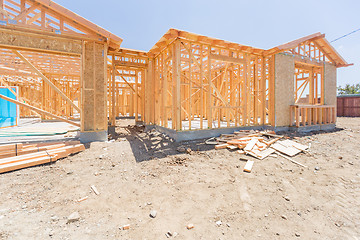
(330, 89)
(284, 88)
(94, 87)
(20, 40)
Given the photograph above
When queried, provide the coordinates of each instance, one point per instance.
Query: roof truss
(46, 15)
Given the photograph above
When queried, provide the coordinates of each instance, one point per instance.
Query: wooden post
(322, 97)
(263, 91)
(143, 80)
(136, 95)
(113, 99)
(209, 101)
(245, 90)
(190, 88)
(176, 121)
(311, 86)
(272, 91)
(256, 92)
(165, 95)
(202, 87)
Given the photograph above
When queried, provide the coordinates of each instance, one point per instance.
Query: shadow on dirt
(154, 145)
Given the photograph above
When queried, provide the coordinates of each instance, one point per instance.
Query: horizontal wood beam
(129, 64)
(227, 59)
(308, 61)
(38, 110)
(26, 41)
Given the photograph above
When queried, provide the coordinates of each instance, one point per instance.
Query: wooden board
(290, 151)
(251, 144)
(27, 163)
(28, 160)
(248, 166)
(289, 143)
(261, 154)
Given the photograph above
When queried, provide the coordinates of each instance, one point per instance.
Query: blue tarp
(8, 110)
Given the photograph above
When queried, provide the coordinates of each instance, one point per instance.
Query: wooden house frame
(69, 69)
(59, 61)
(195, 82)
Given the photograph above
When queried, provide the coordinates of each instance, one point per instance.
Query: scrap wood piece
(291, 160)
(27, 163)
(261, 154)
(251, 144)
(211, 141)
(248, 166)
(237, 142)
(232, 147)
(95, 190)
(83, 199)
(221, 146)
(271, 141)
(271, 135)
(291, 143)
(290, 151)
(261, 145)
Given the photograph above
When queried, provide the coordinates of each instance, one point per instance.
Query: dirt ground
(140, 172)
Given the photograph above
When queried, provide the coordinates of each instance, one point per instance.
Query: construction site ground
(138, 172)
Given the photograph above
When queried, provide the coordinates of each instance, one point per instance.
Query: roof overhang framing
(49, 17)
(317, 40)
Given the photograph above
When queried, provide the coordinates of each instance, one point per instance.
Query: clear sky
(258, 23)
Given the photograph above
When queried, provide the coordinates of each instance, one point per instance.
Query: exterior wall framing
(185, 82)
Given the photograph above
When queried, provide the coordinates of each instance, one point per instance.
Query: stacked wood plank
(17, 156)
(258, 144)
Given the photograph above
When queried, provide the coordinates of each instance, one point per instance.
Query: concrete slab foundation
(86, 137)
(200, 134)
(209, 133)
(306, 129)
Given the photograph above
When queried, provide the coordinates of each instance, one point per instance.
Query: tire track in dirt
(348, 201)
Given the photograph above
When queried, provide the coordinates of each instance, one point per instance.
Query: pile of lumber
(258, 144)
(17, 156)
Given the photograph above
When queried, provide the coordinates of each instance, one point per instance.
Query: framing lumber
(40, 111)
(46, 80)
(27, 41)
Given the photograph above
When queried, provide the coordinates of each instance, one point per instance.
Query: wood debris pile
(17, 156)
(257, 144)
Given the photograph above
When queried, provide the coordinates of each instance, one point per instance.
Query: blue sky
(258, 23)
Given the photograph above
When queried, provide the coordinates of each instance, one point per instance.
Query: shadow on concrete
(291, 135)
